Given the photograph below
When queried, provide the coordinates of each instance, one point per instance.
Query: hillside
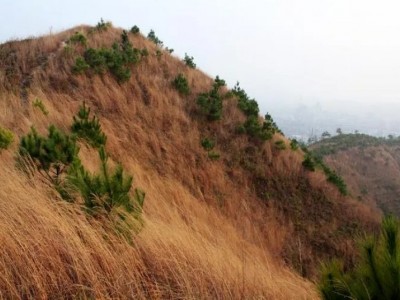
(370, 166)
(243, 220)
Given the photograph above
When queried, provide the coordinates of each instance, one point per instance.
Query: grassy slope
(370, 166)
(220, 229)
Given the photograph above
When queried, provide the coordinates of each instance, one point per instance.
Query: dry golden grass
(51, 250)
(372, 174)
(206, 233)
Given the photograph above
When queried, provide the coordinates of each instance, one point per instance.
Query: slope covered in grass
(244, 221)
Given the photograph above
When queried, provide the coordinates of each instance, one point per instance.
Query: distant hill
(369, 165)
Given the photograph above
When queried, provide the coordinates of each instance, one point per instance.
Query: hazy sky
(281, 51)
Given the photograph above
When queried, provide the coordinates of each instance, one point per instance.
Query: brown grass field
(206, 233)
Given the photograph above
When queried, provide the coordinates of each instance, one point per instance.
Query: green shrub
(52, 154)
(294, 145)
(207, 144)
(189, 61)
(6, 138)
(80, 66)
(116, 60)
(39, 104)
(218, 83)
(280, 145)
(152, 37)
(135, 30)
(88, 128)
(169, 50)
(249, 107)
(103, 26)
(181, 84)
(95, 59)
(78, 38)
(211, 103)
(105, 190)
(245, 104)
(309, 163)
(254, 128)
(158, 53)
(211, 106)
(376, 273)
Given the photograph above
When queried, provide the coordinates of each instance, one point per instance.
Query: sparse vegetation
(6, 138)
(189, 61)
(181, 85)
(88, 128)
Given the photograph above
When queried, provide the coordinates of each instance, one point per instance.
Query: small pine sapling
(189, 61)
(181, 84)
(135, 30)
(88, 128)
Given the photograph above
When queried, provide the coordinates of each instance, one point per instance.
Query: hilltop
(230, 211)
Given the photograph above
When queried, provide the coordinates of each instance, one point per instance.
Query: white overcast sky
(281, 51)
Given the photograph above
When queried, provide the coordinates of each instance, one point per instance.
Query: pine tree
(88, 128)
(105, 190)
(211, 102)
(53, 154)
(375, 276)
